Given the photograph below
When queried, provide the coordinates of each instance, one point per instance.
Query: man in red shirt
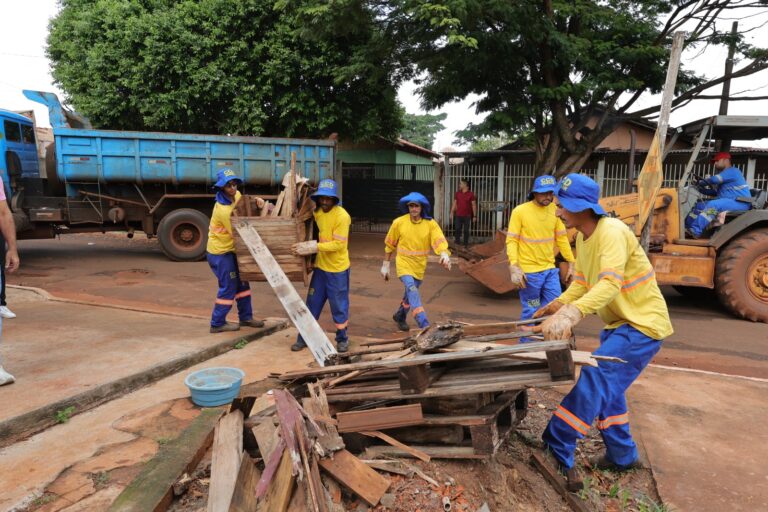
(464, 210)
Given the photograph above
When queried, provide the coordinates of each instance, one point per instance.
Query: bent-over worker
(613, 278)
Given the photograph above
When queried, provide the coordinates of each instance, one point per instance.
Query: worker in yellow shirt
(413, 235)
(223, 261)
(533, 231)
(330, 279)
(614, 279)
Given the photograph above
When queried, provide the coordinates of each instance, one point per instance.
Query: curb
(25, 425)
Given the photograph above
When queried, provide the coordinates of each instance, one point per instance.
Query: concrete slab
(703, 434)
(29, 466)
(97, 354)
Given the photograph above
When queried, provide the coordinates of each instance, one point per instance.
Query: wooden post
(651, 177)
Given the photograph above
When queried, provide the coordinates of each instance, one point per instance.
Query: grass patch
(63, 415)
(241, 344)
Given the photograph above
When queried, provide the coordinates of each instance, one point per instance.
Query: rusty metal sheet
(491, 272)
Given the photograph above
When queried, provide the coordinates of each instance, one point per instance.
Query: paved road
(134, 272)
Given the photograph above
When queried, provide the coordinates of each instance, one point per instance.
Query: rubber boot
(227, 327)
(251, 323)
(604, 464)
(342, 346)
(401, 323)
(299, 345)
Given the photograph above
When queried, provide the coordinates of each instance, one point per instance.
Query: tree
(490, 142)
(216, 66)
(556, 66)
(421, 129)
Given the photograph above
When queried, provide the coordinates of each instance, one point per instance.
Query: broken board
(297, 310)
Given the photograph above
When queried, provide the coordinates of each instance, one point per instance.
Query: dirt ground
(507, 482)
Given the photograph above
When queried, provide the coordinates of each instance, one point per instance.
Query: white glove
(445, 260)
(560, 325)
(385, 270)
(517, 276)
(304, 248)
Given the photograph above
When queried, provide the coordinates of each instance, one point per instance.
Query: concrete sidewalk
(71, 355)
(704, 435)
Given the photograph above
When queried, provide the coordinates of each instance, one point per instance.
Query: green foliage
(241, 344)
(549, 67)
(248, 67)
(63, 415)
(100, 479)
(490, 143)
(421, 129)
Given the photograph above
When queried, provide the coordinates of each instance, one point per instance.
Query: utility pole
(725, 144)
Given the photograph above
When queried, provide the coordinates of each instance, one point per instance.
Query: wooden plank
(298, 501)
(435, 452)
(498, 327)
(561, 365)
(278, 205)
(413, 379)
(225, 461)
(280, 489)
(464, 355)
(558, 482)
(244, 497)
(297, 310)
(356, 476)
(266, 437)
(394, 442)
(151, 490)
(407, 353)
(381, 418)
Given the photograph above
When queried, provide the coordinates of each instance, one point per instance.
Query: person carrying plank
(220, 253)
(533, 231)
(330, 278)
(613, 278)
(413, 235)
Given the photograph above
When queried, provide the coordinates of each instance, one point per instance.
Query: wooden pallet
(279, 234)
(485, 430)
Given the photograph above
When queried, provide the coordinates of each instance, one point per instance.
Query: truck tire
(741, 276)
(183, 234)
(55, 185)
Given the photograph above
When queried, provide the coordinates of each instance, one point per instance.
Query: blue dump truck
(158, 183)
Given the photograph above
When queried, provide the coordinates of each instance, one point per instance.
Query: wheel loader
(732, 259)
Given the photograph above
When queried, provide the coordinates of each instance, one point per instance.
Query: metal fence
(371, 192)
(500, 186)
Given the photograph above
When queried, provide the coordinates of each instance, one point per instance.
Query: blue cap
(542, 185)
(327, 188)
(224, 176)
(577, 192)
(415, 197)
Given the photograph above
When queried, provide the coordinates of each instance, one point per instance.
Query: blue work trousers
(231, 289)
(541, 289)
(412, 302)
(705, 212)
(332, 287)
(599, 393)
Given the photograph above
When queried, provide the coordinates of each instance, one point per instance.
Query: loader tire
(183, 234)
(741, 276)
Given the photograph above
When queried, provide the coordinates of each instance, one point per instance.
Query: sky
(23, 65)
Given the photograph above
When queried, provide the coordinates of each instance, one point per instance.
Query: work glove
(549, 309)
(445, 260)
(569, 273)
(385, 270)
(560, 325)
(304, 248)
(517, 276)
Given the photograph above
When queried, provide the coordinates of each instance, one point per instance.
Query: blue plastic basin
(211, 387)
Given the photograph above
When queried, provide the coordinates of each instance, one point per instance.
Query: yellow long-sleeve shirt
(615, 279)
(220, 239)
(413, 241)
(531, 237)
(333, 237)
